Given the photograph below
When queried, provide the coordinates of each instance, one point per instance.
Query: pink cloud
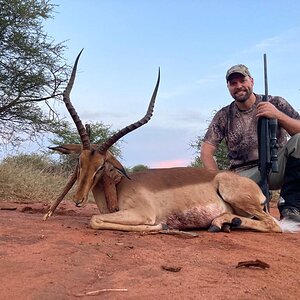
(171, 163)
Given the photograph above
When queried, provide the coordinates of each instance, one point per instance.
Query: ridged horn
(105, 146)
(66, 97)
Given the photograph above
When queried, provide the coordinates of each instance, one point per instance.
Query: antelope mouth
(81, 203)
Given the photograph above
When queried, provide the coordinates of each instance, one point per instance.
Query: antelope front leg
(123, 227)
(130, 218)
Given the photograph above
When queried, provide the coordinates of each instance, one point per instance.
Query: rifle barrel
(266, 77)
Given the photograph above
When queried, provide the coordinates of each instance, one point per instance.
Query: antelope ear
(67, 148)
(113, 161)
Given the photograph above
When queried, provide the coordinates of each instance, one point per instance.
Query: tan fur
(151, 196)
(107, 184)
(184, 197)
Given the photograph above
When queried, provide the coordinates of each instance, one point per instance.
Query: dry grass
(30, 178)
(35, 178)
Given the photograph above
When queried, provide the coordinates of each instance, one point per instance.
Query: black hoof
(165, 227)
(236, 222)
(226, 227)
(214, 228)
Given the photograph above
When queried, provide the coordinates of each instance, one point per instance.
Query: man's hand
(268, 110)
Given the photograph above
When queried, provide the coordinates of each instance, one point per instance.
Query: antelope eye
(100, 168)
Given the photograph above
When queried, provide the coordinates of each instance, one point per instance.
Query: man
(237, 124)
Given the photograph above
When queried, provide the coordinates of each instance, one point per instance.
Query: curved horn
(105, 146)
(66, 97)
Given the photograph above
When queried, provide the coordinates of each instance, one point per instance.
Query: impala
(156, 199)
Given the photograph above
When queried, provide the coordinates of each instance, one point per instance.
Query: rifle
(267, 146)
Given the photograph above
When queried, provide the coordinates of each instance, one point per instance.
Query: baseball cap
(241, 69)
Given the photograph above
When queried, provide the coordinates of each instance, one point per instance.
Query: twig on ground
(8, 208)
(180, 233)
(253, 263)
(171, 268)
(97, 292)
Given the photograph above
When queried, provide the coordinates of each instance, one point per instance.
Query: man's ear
(67, 148)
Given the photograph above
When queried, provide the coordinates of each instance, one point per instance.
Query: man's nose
(239, 85)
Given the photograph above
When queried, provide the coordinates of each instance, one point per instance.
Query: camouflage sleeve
(216, 130)
(285, 107)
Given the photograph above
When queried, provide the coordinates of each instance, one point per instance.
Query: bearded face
(240, 87)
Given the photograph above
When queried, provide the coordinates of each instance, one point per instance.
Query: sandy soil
(62, 258)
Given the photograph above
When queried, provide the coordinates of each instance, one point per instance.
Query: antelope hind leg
(241, 193)
(265, 222)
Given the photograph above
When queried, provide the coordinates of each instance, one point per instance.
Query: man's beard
(242, 98)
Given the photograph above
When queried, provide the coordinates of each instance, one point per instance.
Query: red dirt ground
(62, 258)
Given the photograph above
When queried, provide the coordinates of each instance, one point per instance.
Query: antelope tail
(289, 225)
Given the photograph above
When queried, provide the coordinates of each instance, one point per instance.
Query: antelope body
(172, 198)
(185, 198)
(155, 199)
